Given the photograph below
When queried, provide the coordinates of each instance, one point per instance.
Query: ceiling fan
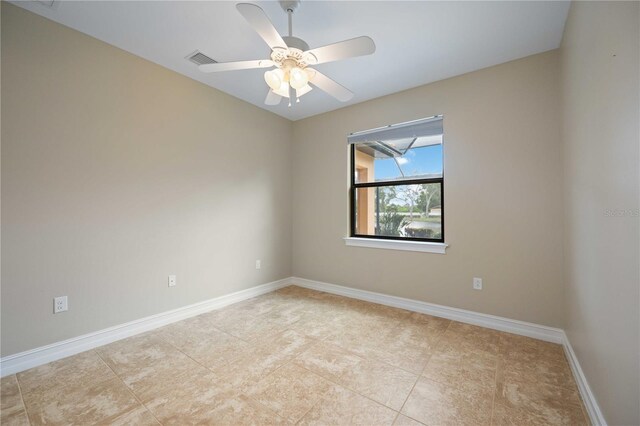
(292, 57)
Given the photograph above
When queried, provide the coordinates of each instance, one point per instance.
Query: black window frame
(398, 182)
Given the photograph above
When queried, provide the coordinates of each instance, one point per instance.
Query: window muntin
(397, 184)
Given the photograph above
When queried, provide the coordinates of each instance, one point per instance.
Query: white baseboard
(32, 358)
(541, 332)
(589, 399)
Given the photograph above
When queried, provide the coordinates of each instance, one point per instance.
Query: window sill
(396, 245)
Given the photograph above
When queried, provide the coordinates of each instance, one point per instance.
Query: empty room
(320, 212)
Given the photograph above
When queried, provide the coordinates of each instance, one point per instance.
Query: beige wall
(502, 193)
(117, 172)
(600, 80)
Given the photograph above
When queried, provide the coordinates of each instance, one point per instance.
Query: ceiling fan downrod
(290, 6)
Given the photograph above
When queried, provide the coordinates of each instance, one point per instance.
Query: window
(397, 182)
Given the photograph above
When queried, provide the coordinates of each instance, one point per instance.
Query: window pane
(410, 211)
(412, 158)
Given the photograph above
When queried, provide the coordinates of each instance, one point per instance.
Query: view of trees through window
(412, 211)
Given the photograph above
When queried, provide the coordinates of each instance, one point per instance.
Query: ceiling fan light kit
(291, 58)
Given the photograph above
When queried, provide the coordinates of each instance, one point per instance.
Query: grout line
(422, 371)
(410, 392)
(309, 410)
(128, 388)
(24, 406)
(290, 361)
(495, 389)
(332, 380)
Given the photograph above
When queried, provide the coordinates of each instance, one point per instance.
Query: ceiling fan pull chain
(293, 96)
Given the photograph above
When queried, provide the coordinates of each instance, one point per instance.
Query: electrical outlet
(172, 280)
(60, 304)
(477, 283)
(258, 264)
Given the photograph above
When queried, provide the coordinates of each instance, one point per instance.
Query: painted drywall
(503, 197)
(601, 114)
(117, 172)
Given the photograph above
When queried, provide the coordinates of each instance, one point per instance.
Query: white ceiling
(417, 41)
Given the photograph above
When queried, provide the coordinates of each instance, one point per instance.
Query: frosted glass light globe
(283, 90)
(274, 78)
(298, 78)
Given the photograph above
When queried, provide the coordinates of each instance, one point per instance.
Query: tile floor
(305, 357)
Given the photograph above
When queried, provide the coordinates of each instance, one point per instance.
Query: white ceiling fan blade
(272, 98)
(336, 90)
(358, 46)
(232, 66)
(261, 24)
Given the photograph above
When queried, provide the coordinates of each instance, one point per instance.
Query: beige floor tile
(381, 382)
(209, 346)
(421, 330)
(253, 328)
(355, 337)
(471, 337)
(242, 410)
(246, 372)
(450, 365)
(323, 309)
(528, 350)
(511, 416)
(328, 360)
(144, 361)
(364, 322)
(340, 406)
(290, 391)
(402, 354)
(380, 342)
(553, 404)
(227, 316)
(538, 371)
(186, 332)
(10, 392)
(284, 316)
(288, 343)
(12, 410)
(403, 420)
(155, 386)
(263, 359)
(139, 416)
(438, 404)
(296, 291)
(314, 325)
(102, 403)
(377, 311)
(83, 369)
(189, 398)
(14, 418)
(258, 305)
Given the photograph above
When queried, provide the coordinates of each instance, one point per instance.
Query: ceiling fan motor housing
(296, 43)
(294, 56)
